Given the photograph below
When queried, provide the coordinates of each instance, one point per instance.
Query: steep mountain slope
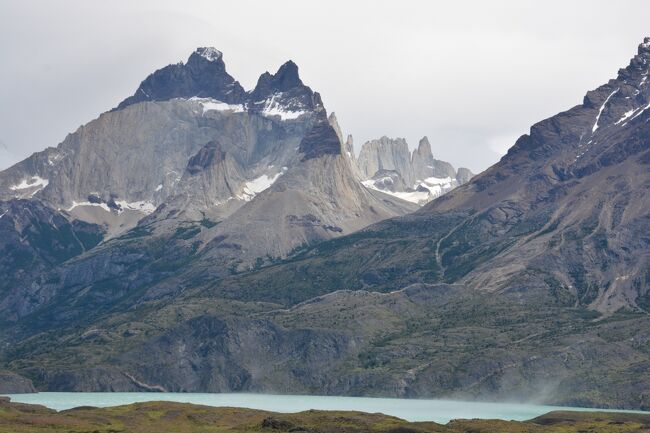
(387, 165)
(35, 239)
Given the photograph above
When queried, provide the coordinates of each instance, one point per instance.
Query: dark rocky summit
(204, 75)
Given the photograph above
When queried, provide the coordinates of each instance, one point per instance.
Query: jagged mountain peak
(203, 75)
(424, 148)
(387, 165)
(211, 54)
(287, 76)
(639, 63)
(335, 124)
(283, 91)
(575, 142)
(285, 79)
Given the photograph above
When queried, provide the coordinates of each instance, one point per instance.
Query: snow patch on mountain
(144, 206)
(36, 184)
(625, 116)
(37, 181)
(273, 107)
(602, 107)
(641, 112)
(76, 204)
(209, 104)
(209, 53)
(417, 197)
(259, 184)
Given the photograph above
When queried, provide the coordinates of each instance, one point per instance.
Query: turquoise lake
(441, 411)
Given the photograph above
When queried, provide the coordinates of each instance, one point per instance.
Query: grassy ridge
(159, 417)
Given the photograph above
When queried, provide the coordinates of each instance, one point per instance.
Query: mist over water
(440, 411)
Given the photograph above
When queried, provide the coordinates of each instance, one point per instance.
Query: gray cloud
(472, 76)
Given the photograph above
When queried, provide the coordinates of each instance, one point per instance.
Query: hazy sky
(471, 75)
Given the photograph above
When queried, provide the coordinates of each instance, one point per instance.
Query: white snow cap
(209, 53)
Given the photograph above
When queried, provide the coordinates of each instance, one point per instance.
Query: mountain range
(387, 165)
(203, 238)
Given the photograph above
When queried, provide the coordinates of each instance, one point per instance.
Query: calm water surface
(441, 411)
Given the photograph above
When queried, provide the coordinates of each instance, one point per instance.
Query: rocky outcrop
(389, 180)
(349, 148)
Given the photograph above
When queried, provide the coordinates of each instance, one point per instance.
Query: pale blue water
(441, 411)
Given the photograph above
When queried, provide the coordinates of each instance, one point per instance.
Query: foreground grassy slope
(159, 417)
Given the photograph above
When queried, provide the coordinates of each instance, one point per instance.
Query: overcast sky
(471, 75)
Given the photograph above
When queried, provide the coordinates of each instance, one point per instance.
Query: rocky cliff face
(421, 177)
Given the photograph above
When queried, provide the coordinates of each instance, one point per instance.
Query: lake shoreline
(413, 410)
(185, 417)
